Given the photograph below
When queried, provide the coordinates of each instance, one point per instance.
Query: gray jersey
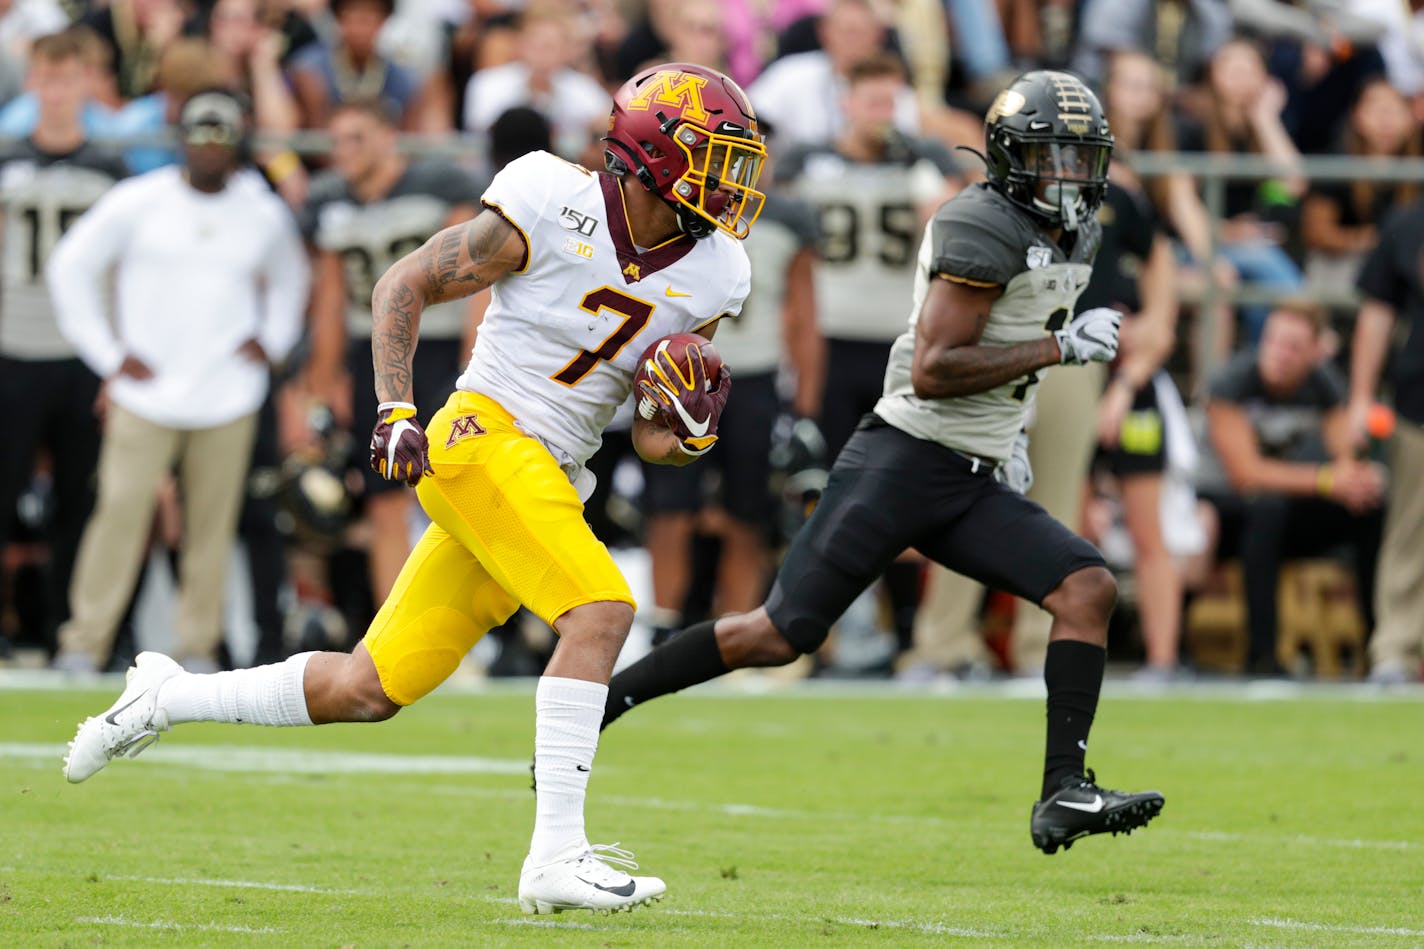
(980, 237)
(752, 343)
(868, 223)
(370, 237)
(41, 195)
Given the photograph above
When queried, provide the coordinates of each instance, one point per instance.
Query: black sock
(902, 583)
(1073, 671)
(684, 660)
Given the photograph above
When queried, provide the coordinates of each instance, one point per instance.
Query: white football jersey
(564, 333)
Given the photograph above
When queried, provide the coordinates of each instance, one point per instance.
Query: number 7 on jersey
(635, 313)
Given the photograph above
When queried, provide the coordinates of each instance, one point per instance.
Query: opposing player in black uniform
(46, 182)
(1000, 269)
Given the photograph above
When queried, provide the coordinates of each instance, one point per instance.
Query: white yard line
(243, 885)
(1277, 839)
(1332, 928)
(163, 924)
(253, 759)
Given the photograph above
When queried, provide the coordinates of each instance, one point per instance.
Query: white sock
(567, 713)
(265, 695)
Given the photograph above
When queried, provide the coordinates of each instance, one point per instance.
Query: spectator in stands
(1393, 283)
(373, 207)
(1138, 105)
(348, 66)
(1323, 52)
(1143, 431)
(542, 78)
(777, 324)
(19, 115)
(211, 285)
(46, 181)
(1402, 44)
(254, 51)
(695, 35)
(802, 95)
(1182, 35)
(1243, 116)
(1277, 421)
(1340, 219)
(750, 28)
(136, 31)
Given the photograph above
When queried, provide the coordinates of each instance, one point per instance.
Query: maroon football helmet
(690, 136)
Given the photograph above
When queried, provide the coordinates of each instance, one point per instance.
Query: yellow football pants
(507, 529)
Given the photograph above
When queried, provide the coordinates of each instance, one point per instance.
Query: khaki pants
(1399, 584)
(135, 456)
(1060, 448)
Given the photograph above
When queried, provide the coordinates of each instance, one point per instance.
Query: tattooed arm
(455, 263)
(948, 359)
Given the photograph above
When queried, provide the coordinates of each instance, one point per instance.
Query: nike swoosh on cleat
(1082, 745)
(626, 889)
(1089, 807)
(579, 767)
(698, 429)
(110, 717)
(628, 700)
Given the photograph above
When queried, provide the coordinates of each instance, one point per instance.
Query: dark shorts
(741, 459)
(855, 380)
(434, 368)
(889, 491)
(1142, 444)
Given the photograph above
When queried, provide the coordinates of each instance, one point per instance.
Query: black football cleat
(1080, 808)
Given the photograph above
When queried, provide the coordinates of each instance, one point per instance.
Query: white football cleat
(129, 726)
(589, 881)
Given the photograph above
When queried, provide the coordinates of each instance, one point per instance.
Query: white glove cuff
(387, 406)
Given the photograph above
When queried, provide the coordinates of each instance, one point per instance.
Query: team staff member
(211, 281)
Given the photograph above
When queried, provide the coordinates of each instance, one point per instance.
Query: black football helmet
(1048, 146)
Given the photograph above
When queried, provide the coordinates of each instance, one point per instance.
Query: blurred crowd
(1235, 465)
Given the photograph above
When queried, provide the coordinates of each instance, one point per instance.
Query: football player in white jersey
(587, 270)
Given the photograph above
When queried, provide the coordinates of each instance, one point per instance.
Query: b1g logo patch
(466, 426)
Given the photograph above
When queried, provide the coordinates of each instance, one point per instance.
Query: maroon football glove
(399, 448)
(681, 396)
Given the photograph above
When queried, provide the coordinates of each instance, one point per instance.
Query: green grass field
(799, 819)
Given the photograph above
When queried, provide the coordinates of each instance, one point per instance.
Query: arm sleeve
(969, 246)
(80, 262)
(288, 282)
(520, 193)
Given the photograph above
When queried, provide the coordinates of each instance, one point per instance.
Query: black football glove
(399, 448)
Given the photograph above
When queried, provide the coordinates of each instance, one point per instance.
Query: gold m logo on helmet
(676, 89)
(1075, 105)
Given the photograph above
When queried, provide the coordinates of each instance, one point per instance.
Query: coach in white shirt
(210, 281)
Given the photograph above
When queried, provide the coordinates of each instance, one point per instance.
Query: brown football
(677, 346)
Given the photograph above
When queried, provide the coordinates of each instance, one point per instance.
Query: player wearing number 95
(587, 271)
(999, 270)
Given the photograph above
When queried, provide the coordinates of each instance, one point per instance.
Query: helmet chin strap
(1063, 199)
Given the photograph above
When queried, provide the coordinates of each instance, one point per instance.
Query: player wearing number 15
(46, 181)
(587, 271)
